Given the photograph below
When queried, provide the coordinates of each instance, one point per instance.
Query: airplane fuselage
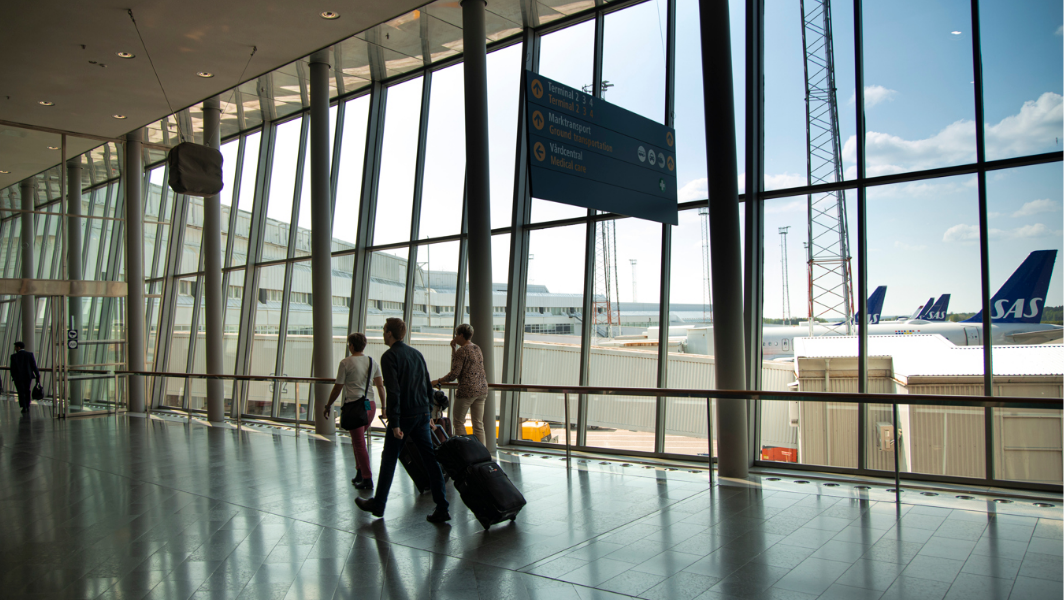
(779, 341)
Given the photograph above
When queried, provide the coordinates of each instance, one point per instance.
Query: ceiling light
(205, 74)
(119, 116)
(125, 54)
(5, 172)
(330, 15)
(955, 32)
(46, 103)
(53, 147)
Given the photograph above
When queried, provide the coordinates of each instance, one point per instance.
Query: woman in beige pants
(467, 366)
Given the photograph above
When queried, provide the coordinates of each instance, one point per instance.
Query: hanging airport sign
(587, 152)
(72, 339)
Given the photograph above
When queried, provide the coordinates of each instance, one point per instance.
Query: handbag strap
(369, 377)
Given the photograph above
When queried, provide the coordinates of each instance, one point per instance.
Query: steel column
(754, 293)
(753, 206)
(249, 303)
(590, 262)
(478, 207)
(134, 175)
(724, 239)
(517, 275)
(212, 274)
(862, 241)
(665, 293)
(73, 261)
(321, 245)
(367, 210)
(26, 240)
(984, 241)
(410, 296)
(168, 302)
(289, 267)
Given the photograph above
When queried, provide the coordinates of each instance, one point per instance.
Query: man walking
(23, 370)
(406, 380)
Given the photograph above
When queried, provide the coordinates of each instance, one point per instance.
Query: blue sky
(919, 114)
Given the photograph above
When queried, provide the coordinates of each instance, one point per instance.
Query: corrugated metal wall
(544, 363)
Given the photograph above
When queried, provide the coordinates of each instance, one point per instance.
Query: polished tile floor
(158, 508)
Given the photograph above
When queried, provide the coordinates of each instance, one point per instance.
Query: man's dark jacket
(24, 367)
(406, 379)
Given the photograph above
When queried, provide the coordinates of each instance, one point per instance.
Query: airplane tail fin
(936, 311)
(1022, 298)
(923, 309)
(875, 304)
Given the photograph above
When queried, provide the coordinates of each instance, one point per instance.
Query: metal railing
(893, 400)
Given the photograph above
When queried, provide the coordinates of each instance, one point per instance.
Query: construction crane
(707, 295)
(786, 284)
(830, 281)
(606, 314)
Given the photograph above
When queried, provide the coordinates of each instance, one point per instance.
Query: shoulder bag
(356, 414)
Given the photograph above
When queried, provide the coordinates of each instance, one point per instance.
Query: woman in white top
(351, 379)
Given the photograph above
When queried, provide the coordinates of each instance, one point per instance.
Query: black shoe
(440, 515)
(365, 484)
(370, 505)
(357, 478)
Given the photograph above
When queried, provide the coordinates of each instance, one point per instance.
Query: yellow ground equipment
(537, 431)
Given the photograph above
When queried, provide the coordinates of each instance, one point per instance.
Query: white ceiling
(48, 48)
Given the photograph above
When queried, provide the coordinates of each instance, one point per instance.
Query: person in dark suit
(406, 381)
(23, 371)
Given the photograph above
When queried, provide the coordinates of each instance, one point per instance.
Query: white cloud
(873, 95)
(1035, 128)
(931, 188)
(970, 233)
(1030, 231)
(696, 189)
(1034, 207)
(961, 233)
(1037, 125)
(909, 247)
(784, 181)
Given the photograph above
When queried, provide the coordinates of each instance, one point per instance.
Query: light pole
(634, 286)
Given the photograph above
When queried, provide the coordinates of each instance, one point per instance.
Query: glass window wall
(443, 190)
(923, 239)
(395, 192)
(1025, 284)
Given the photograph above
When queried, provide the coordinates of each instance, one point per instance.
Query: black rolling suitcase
(484, 486)
(490, 495)
(410, 456)
(459, 453)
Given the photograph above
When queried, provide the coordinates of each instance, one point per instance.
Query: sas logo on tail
(935, 315)
(1016, 310)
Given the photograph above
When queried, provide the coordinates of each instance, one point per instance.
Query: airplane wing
(1045, 336)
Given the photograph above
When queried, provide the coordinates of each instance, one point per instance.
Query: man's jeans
(415, 431)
